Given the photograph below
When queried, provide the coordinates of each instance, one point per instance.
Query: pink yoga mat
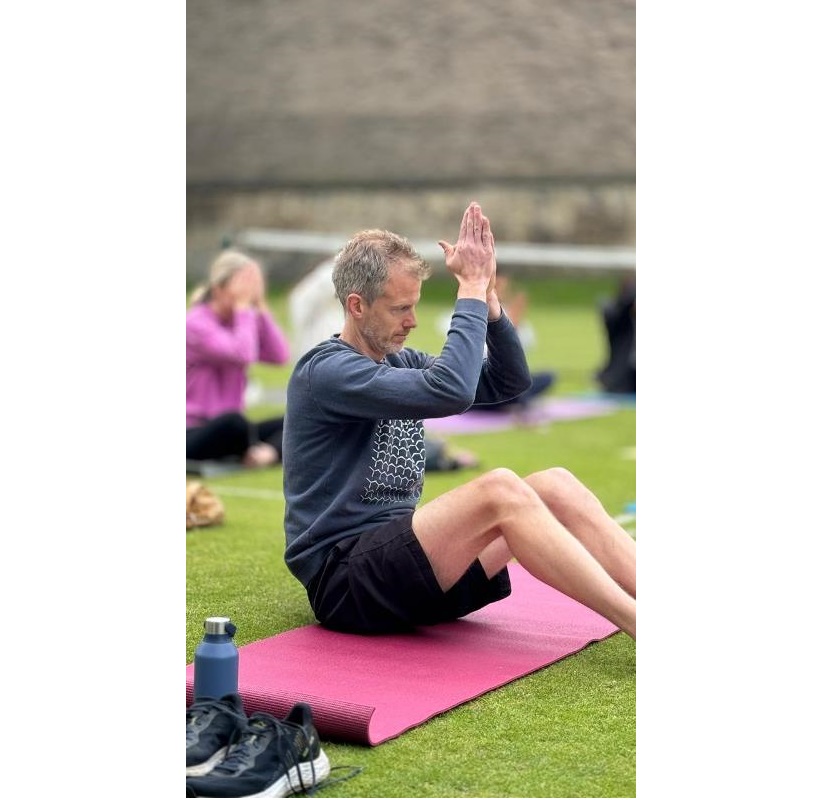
(541, 412)
(368, 689)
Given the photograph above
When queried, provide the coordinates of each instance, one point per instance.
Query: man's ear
(355, 305)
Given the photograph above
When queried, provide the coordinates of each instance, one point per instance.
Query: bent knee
(559, 487)
(559, 479)
(562, 477)
(505, 491)
(500, 477)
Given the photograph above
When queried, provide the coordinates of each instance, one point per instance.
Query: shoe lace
(243, 742)
(290, 730)
(196, 713)
(353, 772)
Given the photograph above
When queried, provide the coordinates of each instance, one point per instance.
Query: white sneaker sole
(207, 766)
(297, 778)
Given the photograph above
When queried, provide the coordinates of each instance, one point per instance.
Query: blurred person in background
(229, 327)
(618, 375)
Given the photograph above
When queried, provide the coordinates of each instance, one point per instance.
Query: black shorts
(381, 581)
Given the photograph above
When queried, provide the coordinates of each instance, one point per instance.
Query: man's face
(389, 319)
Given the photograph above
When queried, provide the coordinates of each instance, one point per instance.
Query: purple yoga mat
(368, 689)
(554, 409)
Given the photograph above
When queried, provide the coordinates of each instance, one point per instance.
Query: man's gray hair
(362, 266)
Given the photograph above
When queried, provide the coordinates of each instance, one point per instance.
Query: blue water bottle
(216, 665)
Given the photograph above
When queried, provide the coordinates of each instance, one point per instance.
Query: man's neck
(351, 336)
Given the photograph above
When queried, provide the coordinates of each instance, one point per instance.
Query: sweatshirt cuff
(477, 307)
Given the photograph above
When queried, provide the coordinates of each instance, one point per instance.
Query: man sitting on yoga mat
(371, 559)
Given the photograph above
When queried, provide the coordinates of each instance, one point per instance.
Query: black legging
(230, 435)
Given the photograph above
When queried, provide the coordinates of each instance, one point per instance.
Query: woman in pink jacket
(228, 328)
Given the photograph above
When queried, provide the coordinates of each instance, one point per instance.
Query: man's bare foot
(261, 454)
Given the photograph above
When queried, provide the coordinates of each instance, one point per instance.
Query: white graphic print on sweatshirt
(396, 473)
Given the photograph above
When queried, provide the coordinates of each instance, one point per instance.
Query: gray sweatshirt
(353, 440)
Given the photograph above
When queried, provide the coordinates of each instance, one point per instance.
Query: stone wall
(326, 116)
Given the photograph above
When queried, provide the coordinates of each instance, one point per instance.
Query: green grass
(568, 730)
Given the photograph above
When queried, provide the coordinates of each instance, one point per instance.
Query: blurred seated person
(228, 328)
(619, 373)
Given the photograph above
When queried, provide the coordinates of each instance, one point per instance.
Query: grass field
(568, 730)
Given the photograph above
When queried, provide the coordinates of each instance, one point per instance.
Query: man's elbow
(455, 403)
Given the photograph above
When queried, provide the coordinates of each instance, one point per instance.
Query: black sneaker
(270, 758)
(211, 724)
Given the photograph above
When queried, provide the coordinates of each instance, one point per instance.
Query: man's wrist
(499, 313)
(471, 293)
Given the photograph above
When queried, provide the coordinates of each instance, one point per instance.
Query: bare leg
(468, 522)
(578, 509)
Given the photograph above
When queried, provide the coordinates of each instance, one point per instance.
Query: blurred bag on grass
(203, 507)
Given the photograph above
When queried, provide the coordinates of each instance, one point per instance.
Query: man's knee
(564, 477)
(562, 491)
(558, 479)
(505, 491)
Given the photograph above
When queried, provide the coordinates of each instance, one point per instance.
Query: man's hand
(473, 257)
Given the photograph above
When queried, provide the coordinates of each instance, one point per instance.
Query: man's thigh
(458, 527)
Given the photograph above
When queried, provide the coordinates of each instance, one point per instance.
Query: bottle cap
(216, 625)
